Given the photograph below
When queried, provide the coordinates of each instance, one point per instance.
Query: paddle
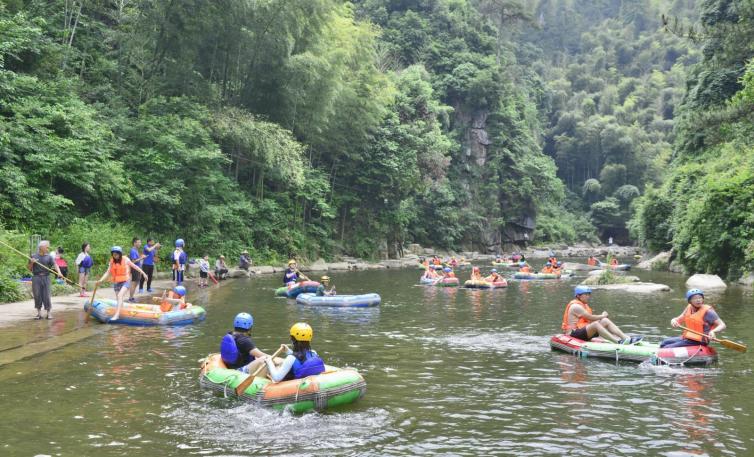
(727, 343)
(91, 303)
(247, 382)
(34, 261)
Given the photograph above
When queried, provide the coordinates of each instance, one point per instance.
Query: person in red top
(580, 322)
(698, 317)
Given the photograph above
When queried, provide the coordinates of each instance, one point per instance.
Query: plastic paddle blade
(733, 345)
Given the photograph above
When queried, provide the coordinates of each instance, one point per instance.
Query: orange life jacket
(556, 271)
(119, 271)
(592, 262)
(547, 269)
(525, 270)
(694, 320)
(582, 322)
(166, 306)
(437, 262)
(451, 275)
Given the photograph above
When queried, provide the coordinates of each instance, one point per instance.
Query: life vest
(582, 322)
(312, 365)
(87, 262)
(525, 270)
(694, 320)
(229, 350)
(119, 271)
(547, 269)
(451, 275)
(166, 306)
(555, 271)
(437, 262)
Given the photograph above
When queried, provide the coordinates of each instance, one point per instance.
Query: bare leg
(82, 282)
(120, 296)
(612, 328)
(132, 289)
(603, 332)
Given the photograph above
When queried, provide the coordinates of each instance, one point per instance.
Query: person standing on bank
(148, 264)
(136, 277)
(84, 264)
(40, 266)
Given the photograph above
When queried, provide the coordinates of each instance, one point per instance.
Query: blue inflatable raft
(144, 315)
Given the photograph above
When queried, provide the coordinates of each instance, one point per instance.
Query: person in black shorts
(580, 322)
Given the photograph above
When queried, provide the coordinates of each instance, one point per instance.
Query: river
(448, 371)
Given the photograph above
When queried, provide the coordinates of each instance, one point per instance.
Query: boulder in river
(238, 273)
(637, 287)
(263, 269)
(579, 266)
(657, 263)
(747, 280)
(338, 266)
(705, 282)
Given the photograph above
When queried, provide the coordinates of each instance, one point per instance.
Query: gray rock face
(338, 266)
(594, 277)
(705, 282)
(657, 263)
(747, 280)
(579, 267)
(263, 269)
(238, 273)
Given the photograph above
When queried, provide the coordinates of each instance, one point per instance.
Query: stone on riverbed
(705, 282)
(238, 273)
(579, 266)
(263, 269)
(659, 262)
(637, 287)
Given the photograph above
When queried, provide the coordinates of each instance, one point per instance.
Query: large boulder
(705, 282)
(392, 263)
(659, 262)
(238, 273)
(747, 280)
(594, 279)
(376, 266)
(579, 266)
(263, 269)
(317, 265)
(338, 266)
(637, 287)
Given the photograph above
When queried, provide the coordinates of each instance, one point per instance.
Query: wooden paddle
(727, 343)
(247, 382)
(91, 302)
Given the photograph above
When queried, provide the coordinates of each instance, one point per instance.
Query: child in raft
(120, 270)
(476, 275)
(173, 300)
(698, 317)
(493, 277)
(322, 290)
(300, 362)
(238, 350)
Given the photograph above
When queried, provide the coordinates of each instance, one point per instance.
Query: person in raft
(173, 300)
(179, 259)
(698, 317)
(120, 270)
(493, 277)
(476, 275)
(431, 273)
(579, 322)
(547, 269)
(447, 272)
(592, 261)
(523, 267)
(238, 350)
(84, 264)
(614, 262)
(323, 290)
(292, 275)
(557, 268)
(300, 362)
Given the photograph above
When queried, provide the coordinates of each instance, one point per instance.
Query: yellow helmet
(324, 278)
(291, 262)
(302, 331)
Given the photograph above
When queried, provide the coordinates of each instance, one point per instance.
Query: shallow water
(449, 372)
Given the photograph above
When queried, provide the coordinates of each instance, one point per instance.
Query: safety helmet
(179, 243)
(447, 270)
(521, 264)
(302, 331)
(324, 278)
(559, 263)
(692, 292)
(494, 270)
(243, 321)
(180, 290)
(291, 262)
(579, 290)
(117, 249)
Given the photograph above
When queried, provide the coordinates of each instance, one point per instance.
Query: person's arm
(579, 311)
(104, 276)
(150, 249)
(278, 373)
(257, 353)
(719, 327)
(133, 265)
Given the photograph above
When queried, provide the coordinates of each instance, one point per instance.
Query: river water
(448, 371)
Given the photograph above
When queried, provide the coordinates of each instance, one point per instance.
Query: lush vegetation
(317, 127)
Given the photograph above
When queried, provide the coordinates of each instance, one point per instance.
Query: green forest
(325, 127)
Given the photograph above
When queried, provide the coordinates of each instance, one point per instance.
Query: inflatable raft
(475, 284)
(536, 276)
(143, 314)
(639, 352)
(423, 280)
(448, 282)
(356, 301)
(621, 267)
(332, 388)
(294, 290)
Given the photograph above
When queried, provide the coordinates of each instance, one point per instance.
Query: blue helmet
(117, 249)
(692, 292)
(559, 263)
(180, 290)
(243, 321)
(581, 290)
(179, 243)
(521, 264)
(494, 270)
(447, 270)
